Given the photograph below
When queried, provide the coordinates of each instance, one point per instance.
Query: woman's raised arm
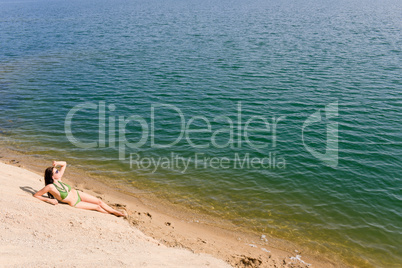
(62, 165)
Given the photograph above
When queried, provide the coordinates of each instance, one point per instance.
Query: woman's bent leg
(90, 206)
(92, 199)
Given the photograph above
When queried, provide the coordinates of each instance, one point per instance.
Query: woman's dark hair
(49, 179)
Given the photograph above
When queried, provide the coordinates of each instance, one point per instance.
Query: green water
(248, 76)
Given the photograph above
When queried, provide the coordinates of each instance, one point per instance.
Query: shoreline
(179, 227)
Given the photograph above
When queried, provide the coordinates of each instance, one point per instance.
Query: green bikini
(64, 193)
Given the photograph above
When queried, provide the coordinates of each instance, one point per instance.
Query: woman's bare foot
(123, 214)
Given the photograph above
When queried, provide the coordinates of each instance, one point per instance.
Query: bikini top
(63, 191)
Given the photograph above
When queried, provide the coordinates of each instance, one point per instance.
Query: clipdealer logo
(238, 129)
(330, 157)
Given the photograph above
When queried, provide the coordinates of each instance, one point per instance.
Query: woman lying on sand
(64, 193)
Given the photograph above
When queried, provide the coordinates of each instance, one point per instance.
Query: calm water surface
(245, 74)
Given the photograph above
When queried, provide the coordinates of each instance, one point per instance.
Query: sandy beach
(34, 233)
